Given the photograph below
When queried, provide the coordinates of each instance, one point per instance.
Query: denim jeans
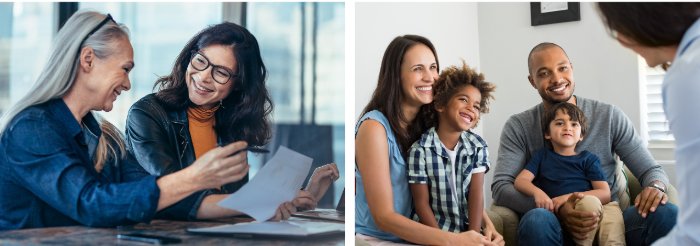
(541, 227)
(640, 231)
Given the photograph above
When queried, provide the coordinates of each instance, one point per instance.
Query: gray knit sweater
(610, 132)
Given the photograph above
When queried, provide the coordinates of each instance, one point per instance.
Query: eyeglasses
(220, 74)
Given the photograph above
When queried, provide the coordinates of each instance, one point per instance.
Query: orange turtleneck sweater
(202, 132)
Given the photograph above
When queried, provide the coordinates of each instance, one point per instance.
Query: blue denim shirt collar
(56, 179)
(58, 108)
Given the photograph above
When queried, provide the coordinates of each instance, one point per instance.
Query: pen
(257, 150)
(252, 149)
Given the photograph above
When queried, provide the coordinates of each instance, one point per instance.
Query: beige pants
(611, 228)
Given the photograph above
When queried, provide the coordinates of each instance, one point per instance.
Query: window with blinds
(656, 123)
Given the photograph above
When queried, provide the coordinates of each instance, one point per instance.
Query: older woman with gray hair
(62, 165)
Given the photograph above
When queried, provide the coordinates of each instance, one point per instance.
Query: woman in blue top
(665, 33)
(61, 165)
(390, 123)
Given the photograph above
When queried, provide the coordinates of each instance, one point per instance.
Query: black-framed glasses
(221, 74)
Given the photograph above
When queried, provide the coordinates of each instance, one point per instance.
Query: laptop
(270, 229)
(336, 215)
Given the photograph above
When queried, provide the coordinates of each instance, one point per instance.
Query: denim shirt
(48, 176)
(364, 223)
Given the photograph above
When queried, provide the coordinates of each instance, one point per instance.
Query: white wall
(496, 38)
(452, 27)
(603, 70)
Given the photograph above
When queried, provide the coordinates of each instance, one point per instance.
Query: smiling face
(110, 76)
(552, 75)
(418, 73)
(564, 133)
(462, 111)
(202, 89)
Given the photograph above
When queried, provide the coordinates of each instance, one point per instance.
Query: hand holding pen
(257, 150)
(221, 165)
(253, 149)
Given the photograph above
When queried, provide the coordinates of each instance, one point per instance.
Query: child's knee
(589, 203)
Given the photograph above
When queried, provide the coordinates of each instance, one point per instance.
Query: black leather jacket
(160, 140)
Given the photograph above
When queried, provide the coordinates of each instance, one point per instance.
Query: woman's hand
(284, 211)
(219, 166)
(491, 233)
(321, 179)
(304, 201)
(469, 238)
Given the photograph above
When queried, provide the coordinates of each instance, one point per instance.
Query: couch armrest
(506, 223)
(672, 195)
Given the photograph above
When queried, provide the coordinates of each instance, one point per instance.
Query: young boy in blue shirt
(552, 175)
(446, 166)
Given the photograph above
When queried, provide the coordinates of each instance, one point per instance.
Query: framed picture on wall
(542, 13)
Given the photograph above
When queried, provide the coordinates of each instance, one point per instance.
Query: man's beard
(551, 100)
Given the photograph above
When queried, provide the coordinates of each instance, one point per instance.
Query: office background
(302, 46)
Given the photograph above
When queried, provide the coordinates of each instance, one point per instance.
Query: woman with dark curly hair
(214, 95)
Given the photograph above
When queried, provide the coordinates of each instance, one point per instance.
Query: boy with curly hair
(446, 166)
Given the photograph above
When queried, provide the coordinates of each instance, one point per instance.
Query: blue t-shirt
(558, 175)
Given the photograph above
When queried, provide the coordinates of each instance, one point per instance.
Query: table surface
(81, 235)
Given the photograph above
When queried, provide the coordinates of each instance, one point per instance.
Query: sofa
(506, 220)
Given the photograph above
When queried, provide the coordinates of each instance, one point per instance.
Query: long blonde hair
(58, 75)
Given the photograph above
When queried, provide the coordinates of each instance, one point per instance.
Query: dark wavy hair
(388, 95)
(245, 113)
(453, 79)
(574, 113)
(650, 24)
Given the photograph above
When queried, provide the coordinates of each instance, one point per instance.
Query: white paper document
(278, 181)
(270, 228)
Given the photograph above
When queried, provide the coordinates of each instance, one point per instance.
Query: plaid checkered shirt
(429, 163)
